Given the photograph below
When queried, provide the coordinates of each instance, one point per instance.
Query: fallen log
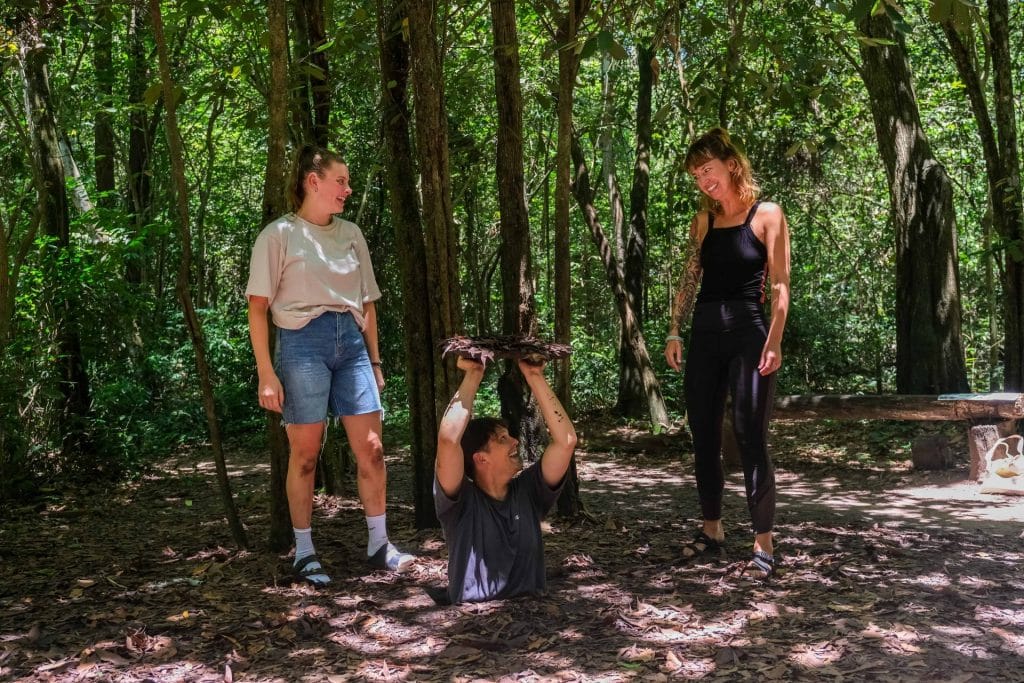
(993, 407)
(988, 416)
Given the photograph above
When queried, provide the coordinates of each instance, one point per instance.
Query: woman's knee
(303, 461)
(370, 453)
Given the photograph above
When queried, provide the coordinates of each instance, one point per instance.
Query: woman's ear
(313, 181)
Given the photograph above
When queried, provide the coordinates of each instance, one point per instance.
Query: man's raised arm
(555, 460)
(449, 466)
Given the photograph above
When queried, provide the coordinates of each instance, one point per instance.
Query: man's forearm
(460, 408)
(558, 423)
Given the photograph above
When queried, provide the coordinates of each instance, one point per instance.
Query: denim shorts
(324, 368)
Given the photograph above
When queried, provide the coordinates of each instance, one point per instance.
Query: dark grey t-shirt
(495, 548)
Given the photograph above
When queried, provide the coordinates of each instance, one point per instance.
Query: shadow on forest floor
(888, 574)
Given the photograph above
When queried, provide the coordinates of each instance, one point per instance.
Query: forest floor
(889, 574)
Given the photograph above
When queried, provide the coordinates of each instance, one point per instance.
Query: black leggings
(723, 355)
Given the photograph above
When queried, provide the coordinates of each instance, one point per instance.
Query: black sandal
(303, 572)
(702, 544)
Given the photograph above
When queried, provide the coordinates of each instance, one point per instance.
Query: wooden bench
(988, 416)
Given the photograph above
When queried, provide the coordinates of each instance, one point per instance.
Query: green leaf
(873, 42)
(661, 114)
(153, 93)
(588, 48)
(707, 27)
(616, 50)
(324, 46)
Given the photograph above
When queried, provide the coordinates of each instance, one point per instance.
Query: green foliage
(796, 103)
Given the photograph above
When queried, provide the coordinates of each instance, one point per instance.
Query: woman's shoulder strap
(752, 212)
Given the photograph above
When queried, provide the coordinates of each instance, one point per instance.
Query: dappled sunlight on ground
(885, 574)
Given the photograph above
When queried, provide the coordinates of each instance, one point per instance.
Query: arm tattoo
(686, 296)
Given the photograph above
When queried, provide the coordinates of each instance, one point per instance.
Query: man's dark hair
(478, 432)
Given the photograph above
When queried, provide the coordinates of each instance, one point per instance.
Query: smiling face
(714, 177)
(502, 453)
(331, 189)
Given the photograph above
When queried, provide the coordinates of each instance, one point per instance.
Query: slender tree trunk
(104, 144)
(929, 352)
(519, 311)
(11, 263)
(570, 504)
(627, 316)
(314, 110)
(274, 204)
(1002, 166)
(177, 157)
(139, 195)
(10, 266)
(422, 369)
(1009, 197)
(632, 395)
(518, 307)
(55, 221)
(203, 271)
(568, 66)
(440, 239)
(737, 11)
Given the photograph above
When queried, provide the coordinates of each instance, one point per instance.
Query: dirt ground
(888, 574)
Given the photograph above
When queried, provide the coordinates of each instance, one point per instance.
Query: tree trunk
(733, 55)
(103, 140)
(53, 210)
(440, 239)
(570, 504)
(519, 311)
(627, 316)
(314, 92)
(929, 352)
(421, 354)
(203, 271)
(177, 158)
(274, 204)
(139, 195)
(1002, 165)
(14, 251)
(632, 396)
(568, 66)
(995, 407)
(1009, 198)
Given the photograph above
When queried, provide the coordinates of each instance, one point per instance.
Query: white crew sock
(303, 543)
(378, 528)
(304, 548)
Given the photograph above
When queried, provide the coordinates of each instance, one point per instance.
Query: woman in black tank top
(737, 245)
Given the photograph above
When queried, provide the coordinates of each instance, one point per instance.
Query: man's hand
(530, 367)
(468, 365)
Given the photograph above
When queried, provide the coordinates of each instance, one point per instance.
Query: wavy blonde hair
(716, 144)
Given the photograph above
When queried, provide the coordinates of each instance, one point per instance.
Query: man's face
(503, 453)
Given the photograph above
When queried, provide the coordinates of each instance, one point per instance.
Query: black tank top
(734, 262)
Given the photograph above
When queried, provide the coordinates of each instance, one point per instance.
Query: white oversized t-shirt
(306, 269)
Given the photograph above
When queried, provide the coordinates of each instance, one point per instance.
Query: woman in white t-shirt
(311, 270)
